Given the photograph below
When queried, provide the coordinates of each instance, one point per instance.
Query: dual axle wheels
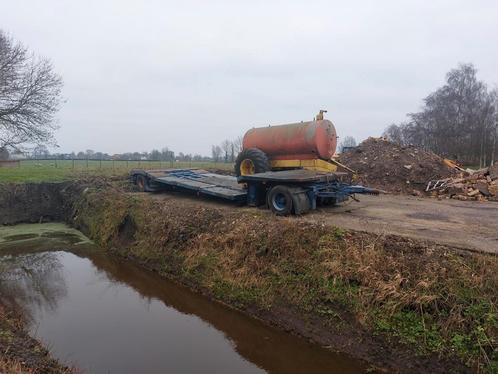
(284, 200)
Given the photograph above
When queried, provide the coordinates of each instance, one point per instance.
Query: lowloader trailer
(289, 168)
(285, 192)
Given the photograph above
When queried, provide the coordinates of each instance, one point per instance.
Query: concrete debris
(477, 185)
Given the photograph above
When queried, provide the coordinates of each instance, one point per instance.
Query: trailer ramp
(199, 181)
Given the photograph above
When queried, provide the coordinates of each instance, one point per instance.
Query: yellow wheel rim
(247, 167)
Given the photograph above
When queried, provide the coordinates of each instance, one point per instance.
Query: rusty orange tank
(294, 141)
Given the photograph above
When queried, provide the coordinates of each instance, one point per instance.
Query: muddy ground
(469, 225)
(405, 303)
(463, 224)
(20, 353)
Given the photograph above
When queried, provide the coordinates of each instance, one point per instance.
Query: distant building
(10, 163)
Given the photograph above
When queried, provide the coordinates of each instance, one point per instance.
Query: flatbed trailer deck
(284, 192)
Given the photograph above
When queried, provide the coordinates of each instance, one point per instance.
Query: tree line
(458, 120)
(165, 154)
(227, 151)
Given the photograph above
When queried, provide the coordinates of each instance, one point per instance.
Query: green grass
(31, 174)
(60, 170)
(83, 165)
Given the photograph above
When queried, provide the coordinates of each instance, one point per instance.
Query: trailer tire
(280, 200)
(251, 161)
(141, 182)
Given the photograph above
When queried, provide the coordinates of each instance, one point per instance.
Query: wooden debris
(473, 193)
(482, 187)
(493, 171)
(477, 185)
(493, 190)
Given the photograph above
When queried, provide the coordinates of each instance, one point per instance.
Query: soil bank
(401, 304)
(398, 303)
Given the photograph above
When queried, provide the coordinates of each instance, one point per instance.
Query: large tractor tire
(251, 161)
(280, 200)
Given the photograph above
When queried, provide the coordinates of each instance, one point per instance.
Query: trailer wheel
(280, 200)
(141, 183)
(251, 161)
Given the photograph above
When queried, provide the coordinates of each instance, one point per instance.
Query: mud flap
(300, 201)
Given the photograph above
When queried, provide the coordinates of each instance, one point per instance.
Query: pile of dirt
(479, 185)
(385, 165)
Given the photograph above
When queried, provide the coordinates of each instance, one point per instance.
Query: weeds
(428, 297)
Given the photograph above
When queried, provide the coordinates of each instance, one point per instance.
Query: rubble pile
(388, 166)
(470, 185)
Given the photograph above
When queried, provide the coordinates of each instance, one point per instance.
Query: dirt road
(471, 225)
(466, 224)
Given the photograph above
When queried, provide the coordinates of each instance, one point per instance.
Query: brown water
(104, 315)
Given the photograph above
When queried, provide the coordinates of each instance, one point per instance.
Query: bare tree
(29, 96)
(226, 147)
(394, 133)
(458, 120)
(494, 125)
(40, 151)
(237, 143)
(216, 152)
(167, 154)
(155, 155)
(347, 142)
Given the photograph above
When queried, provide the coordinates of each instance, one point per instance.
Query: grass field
(59, 170)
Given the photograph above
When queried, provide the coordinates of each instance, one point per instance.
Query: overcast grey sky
(187, 74)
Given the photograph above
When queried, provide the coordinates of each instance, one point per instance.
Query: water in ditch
(105, 315)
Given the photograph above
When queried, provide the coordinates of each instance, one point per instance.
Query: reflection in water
(32, 281)
(105, 315)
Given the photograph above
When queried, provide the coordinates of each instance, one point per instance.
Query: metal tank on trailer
(307, 145)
